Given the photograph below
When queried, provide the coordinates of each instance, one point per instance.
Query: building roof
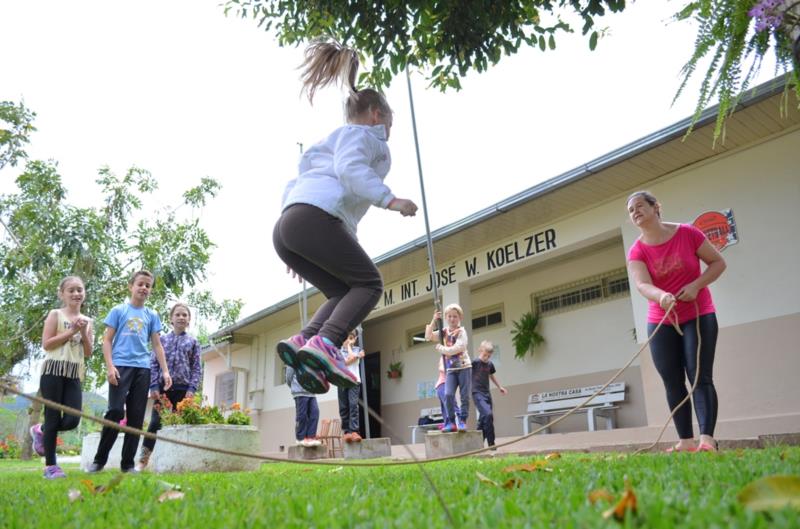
(758, 117)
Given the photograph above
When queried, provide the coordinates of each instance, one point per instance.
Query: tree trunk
(34, 417)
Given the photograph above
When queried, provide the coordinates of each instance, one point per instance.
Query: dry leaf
(626, 503)
(550, 457)
(771, 493)
(600, 494)
(170, 495)
(512, 483)
(529, 467)
(484, 479)
(74, 495)
(89, 486)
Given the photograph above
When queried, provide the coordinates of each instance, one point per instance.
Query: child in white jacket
(339, 179)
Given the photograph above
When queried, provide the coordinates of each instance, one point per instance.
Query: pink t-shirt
(672, 265)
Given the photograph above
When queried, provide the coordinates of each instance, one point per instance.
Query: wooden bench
(542, 406)
(434, 414)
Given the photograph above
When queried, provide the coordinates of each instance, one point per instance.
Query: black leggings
(674, 356)
(319, 248)
(66, 391)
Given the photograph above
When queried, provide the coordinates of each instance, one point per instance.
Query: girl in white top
(457, 365)
(339, 179)
(67, 340)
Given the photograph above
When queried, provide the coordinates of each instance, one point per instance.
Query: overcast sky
(177, 88)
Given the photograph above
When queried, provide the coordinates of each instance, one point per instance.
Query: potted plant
(524, 335)
(395, 370)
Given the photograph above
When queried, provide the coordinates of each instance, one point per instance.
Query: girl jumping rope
(67, 340)
(339, 179)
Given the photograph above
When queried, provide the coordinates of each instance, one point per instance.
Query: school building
(559, 249)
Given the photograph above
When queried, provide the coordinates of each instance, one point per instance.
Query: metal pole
(363, 372)
(303, 301)
(429, 241)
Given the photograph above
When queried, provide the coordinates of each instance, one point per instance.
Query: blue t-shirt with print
(133, 327)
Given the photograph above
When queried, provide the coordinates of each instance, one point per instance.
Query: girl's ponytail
(326, 62)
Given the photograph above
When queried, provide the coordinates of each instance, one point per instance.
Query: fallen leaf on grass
(168, 486)
(771, 493)
(626, 503)
(74, 495)
(170, 495)
(554, 455)
(600, 494)
(512, 483)
(484, 479)
(539, 464)
(337, 469)
(102, 489)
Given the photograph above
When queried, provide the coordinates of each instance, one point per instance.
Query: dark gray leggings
(319, 248)
(675, 359)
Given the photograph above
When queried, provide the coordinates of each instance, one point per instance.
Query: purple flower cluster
(768, 14)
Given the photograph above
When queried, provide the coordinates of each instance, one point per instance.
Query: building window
(225, 390)
(588, 291)
(487, 317)
(415, 337)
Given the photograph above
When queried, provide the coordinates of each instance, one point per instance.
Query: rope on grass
(263, 457)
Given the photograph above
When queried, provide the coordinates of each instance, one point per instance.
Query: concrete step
(368, 448)
(438, 444)
(307, 453)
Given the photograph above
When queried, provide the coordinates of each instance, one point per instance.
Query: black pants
(128, 397)
(174, 396)
(319, 248)
(483, 403)
(675, 358)
(66, 391)
(348, 408)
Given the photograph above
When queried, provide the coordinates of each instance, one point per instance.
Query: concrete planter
(170, 457)
(89, 449)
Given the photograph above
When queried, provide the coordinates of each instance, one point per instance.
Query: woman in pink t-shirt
(664, 262)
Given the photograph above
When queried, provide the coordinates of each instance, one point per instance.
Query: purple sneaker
(311, 379)
(324, 356)
(38, 439)
(461, 425)
(53, 472)
(287, 349)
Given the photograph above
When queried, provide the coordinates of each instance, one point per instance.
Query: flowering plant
(10, 447)
(737, 34)
(192, 411)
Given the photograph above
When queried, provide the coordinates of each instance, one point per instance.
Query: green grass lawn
(672, 490)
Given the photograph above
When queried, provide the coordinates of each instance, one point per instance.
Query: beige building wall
(758, 302)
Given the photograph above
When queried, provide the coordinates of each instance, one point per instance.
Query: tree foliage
(446, 39)
(734, 36)
(46, 238)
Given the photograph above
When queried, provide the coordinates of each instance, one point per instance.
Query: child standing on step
(306, 411)
(67, 340)
(339, 179)
(348, 397)
(457, 365)
(483, 370)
